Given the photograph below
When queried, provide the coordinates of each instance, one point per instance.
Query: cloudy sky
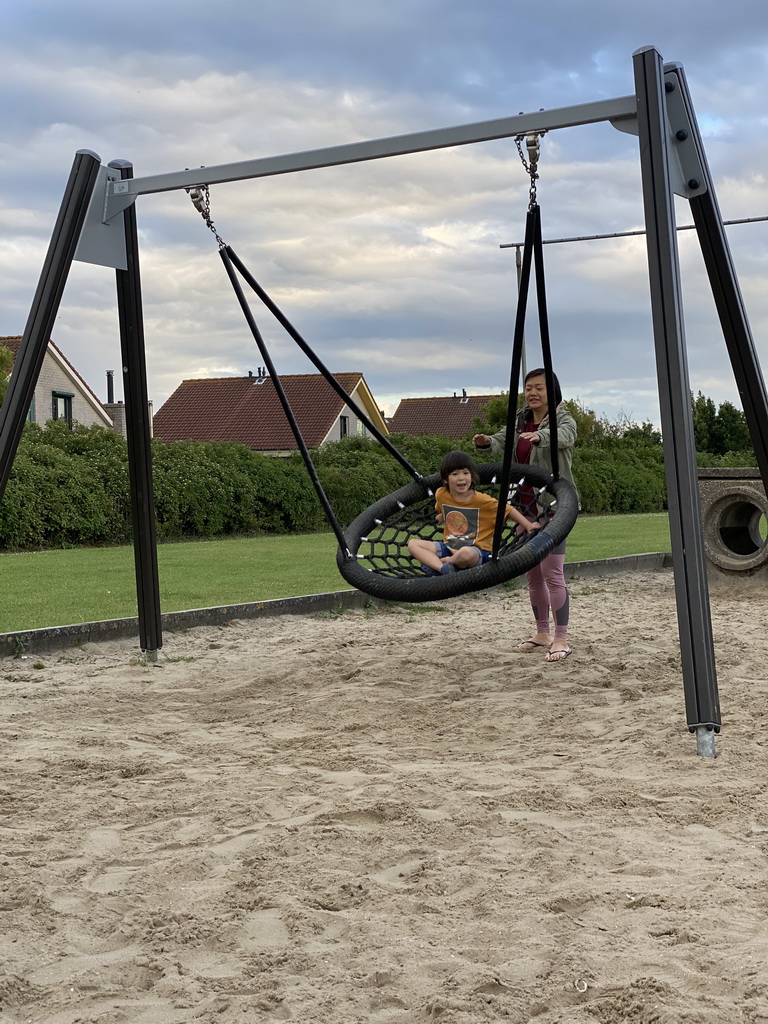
(393, 267)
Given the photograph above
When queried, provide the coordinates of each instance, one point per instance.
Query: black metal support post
(45, 306)
(692, 597)
(139, 434)
(709, 226)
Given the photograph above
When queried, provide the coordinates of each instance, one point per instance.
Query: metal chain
(201, 200)
(532, 163)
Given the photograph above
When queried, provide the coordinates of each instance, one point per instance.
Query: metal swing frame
(97, 224)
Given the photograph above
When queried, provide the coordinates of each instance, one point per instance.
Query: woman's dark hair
(541, 372)
(457, 460)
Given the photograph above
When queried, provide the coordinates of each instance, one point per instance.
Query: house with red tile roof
(248, 410)
(449, 417)
(60, 392)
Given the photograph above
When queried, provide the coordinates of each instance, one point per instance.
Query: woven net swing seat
(377, 560)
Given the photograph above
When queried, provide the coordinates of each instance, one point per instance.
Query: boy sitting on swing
(468, 517)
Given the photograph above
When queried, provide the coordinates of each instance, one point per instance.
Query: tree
(495, 414)
(589, 428)
(719, 431)
(730, 432)
(704, 416)
(645, 432)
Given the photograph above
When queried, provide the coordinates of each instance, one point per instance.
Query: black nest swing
(375, 558)
(372, 554)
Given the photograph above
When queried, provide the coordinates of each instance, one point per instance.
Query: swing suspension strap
(533, 251)
(200, 197)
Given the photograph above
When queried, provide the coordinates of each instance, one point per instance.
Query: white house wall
(55, 376)
(355, 426)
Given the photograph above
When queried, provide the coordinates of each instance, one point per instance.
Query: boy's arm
(519, 518)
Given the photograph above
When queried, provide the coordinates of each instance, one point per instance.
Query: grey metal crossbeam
(119, 194)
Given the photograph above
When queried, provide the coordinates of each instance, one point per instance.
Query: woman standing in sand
(546, 582)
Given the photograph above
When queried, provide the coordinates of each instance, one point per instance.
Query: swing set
(97, 224)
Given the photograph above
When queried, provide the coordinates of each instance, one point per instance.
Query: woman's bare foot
(558, 651)
(537, 640)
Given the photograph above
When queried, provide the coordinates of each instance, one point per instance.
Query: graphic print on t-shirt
(461, 526)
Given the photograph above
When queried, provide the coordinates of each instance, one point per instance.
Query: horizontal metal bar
(626, 234)
(622, 107)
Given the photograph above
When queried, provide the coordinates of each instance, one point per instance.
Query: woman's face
(536, 394)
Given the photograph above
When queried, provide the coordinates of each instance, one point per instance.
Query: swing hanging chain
(201, 200)
(531, 164)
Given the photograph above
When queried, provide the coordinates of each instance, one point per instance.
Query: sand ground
(389, 817)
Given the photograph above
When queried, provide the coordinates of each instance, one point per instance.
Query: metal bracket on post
(117, 198)
(686, 171)
(685, 166)
(103, 241)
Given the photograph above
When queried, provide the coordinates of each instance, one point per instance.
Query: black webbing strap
(532, 252)
(546, 351)
(305, 348)
(225, 254)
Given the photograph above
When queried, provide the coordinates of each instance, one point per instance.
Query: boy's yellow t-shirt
(469, 524)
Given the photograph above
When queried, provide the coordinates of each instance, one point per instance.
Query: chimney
(110, 386)
(250, 374)
(463, 392)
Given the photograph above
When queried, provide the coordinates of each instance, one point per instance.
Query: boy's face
(459, 481)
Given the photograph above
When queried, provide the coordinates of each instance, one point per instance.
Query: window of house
(61, 407)
(31, 413)
(343, 426)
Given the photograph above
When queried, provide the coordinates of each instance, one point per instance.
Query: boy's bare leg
(424, 552)
(465, 558)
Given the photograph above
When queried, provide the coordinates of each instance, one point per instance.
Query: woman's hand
(481, 441)
(531, 436)
(530, 527)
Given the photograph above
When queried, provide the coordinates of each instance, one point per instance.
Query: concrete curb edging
(36, 641)
(626, 563)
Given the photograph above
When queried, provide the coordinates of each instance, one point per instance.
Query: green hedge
(621, 478)
(71, 487)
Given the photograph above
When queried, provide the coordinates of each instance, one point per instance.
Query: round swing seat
(378, 563)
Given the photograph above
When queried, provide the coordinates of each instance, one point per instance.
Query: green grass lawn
(611, 536)
(55, 588)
